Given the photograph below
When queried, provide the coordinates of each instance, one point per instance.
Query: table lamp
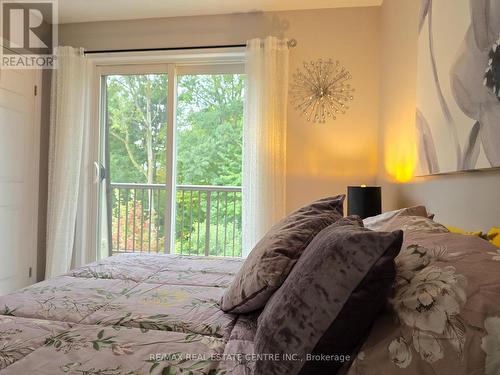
(364, 201)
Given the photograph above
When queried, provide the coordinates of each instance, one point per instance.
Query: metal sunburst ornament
(320, 90)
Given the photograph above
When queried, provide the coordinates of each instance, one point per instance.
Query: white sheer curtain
(68, 128)
(264, 137)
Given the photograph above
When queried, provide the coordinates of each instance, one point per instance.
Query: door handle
(99, 172)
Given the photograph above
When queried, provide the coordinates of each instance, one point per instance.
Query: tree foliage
(209, 129)
(137, 115)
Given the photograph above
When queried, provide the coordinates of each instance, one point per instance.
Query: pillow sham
(325, 305)
(270, 262)
(445, 316)
(377, 222)
(413, 224)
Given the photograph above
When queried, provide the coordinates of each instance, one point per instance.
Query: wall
(468, 200)
(321, 159)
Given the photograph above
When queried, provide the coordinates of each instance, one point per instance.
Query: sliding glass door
(171, 145)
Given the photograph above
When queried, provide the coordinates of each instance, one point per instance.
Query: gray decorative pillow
(270, 262)
(320, 286)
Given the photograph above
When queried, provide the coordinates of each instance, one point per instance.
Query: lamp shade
(364, 201)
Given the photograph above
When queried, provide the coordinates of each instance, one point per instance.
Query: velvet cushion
(270, 262)
(349, 329)
(329, 300)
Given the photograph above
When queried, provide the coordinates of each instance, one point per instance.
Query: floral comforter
(127, 315)
(444, 316)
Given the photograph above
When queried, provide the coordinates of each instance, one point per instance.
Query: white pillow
(376, 222)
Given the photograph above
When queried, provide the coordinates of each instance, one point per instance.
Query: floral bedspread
(127, 315)
(444, 315)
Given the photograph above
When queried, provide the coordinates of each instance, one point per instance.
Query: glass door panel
(136, 122)
(209, 134)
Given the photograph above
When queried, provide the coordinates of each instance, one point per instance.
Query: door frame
(173, 63)
(36, 171)
(169, 69)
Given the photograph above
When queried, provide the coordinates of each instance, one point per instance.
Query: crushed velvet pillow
(270, 262)
(329, 300)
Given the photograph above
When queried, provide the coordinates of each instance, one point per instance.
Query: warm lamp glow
(404, 172)
(400, 165)
(363, 186)
(400, 153)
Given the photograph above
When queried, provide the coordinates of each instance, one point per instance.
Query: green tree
(137, 114)
(209, 129)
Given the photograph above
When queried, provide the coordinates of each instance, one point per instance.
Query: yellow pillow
(461, 231)
(494, 236)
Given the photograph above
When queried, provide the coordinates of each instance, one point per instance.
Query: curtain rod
(291, 43)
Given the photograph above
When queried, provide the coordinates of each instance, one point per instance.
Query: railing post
(207, 223)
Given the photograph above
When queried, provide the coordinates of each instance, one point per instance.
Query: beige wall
(322, 159)
(468, 200)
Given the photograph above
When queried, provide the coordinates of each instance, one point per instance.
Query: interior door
(19, 146)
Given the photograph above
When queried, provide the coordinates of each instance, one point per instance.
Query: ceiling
(106, 10)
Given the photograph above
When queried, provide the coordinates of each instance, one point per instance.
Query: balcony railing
(207, 219)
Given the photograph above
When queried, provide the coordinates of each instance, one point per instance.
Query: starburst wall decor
(320, 90)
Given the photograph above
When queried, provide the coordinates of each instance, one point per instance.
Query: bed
(296, 294)
(127, 314)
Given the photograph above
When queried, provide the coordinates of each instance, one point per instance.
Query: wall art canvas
(458, 86)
